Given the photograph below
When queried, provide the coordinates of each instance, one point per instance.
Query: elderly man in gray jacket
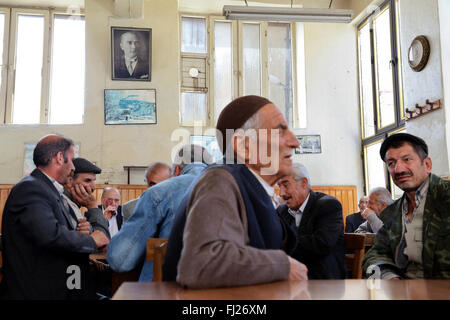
(379, 198)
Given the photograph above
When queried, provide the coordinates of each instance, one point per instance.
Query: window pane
(384, 70)
(374, 167)
(252, 58)
(193, 108)
(365, 73)
(27, 93)
(193, 37)
(280, 68)
(223, 68)
(67, 76)
(2, 34)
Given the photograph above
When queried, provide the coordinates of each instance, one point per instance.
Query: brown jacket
(216, 251)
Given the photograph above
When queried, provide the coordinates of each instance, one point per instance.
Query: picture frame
(209, 143)
(309, 144)
(130, 106)
(131, 45)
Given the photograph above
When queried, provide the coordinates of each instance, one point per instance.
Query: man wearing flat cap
(226, 231)
(414, 242)
(79, 192)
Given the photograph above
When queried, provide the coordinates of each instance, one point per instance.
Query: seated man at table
(227, 232)
(154, 212)
(44, 256)
(112, 210)
(379, 198)
(79, 192)
(155, 173)
(317, 219)
(414, 240)
(354, 220)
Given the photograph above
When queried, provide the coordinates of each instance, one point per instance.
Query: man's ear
(59, 158)
(428, 164)
(177, 171)
(241, 147)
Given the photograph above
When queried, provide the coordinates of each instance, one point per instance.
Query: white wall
(332, 101)
(332, 105)
(112, 147)
(420, 17)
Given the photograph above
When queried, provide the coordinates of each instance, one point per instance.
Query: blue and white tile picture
(130, 106)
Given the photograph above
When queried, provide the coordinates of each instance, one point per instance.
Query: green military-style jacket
(435, 234)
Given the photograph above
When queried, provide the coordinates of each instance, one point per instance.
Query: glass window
(365, 74)
(375, 173)
(252, 59)
(223, 66)
(28, 69)
(193, 108)
(380, 90)
(67, 75)
(280, 68)
(383, 56)
(2, 35)
(193, 37)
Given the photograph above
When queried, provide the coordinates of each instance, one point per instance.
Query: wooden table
(294, 290)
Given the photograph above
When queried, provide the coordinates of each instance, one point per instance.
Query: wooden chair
(354, 243)
(156, 251)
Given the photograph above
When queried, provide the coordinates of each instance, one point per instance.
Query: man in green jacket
(414, 242)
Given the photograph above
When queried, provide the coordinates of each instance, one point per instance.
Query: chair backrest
(354, 243)
(156, 251)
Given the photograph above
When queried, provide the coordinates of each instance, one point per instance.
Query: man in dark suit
(131, 65)
(44, 256)
(317, 219)
(353, 220)
(112, 210)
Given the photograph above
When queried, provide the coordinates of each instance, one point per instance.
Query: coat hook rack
(418, 111)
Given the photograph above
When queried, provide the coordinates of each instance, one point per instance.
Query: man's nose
(292, 139)
(399, 167)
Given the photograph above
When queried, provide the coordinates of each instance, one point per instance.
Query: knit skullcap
(235, 114)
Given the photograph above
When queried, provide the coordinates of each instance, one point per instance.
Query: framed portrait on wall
(131, 53)
(130, 106)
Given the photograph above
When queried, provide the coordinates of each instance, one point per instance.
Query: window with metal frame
(42, 78)
(243, 58)
(381, 101)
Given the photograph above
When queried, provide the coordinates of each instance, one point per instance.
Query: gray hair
(190, 153)
(299, 172)
(110, 188)
(382, 195)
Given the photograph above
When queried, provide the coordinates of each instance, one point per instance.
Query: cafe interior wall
(330, 51)
(421, 17)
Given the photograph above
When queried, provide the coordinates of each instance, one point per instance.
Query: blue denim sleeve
(127, 248)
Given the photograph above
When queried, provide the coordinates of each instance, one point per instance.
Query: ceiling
(197, 6)
(44, 3)
(216, 6)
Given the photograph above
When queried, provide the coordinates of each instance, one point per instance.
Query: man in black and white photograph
(131, 56)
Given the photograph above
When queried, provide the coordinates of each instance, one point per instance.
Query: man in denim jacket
(154, 213)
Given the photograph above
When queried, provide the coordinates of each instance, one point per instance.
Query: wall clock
(418, 53)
